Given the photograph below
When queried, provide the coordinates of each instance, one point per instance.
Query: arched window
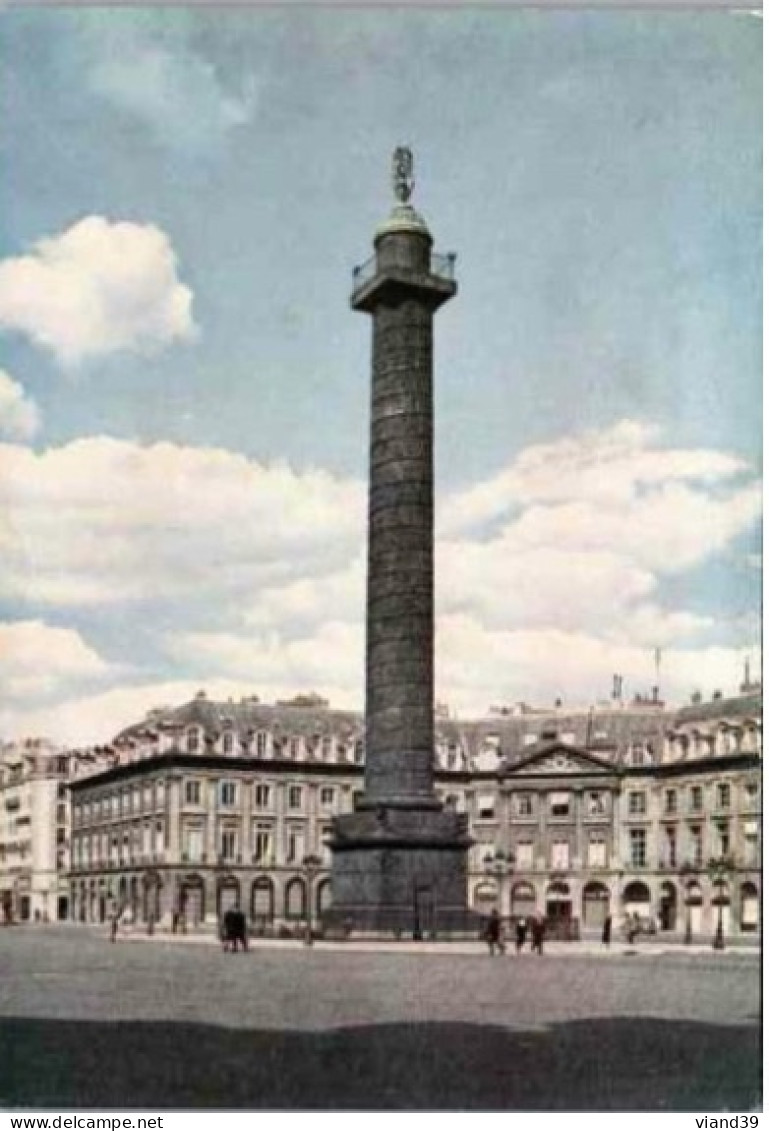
(263, 901)
(296, 899)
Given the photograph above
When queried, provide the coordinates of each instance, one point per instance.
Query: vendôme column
(399, 861)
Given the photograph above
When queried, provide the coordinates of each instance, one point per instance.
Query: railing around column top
(441, 265)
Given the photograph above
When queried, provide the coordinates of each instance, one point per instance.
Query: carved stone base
(401, 871)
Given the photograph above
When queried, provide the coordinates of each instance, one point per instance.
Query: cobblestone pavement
(167, 1024)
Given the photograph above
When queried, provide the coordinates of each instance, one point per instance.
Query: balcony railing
(441, 265)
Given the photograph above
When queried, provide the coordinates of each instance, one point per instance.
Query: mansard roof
(247, 717)
(737, 707)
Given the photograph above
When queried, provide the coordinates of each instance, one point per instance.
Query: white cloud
(96, 289)
(477, 666)
(96, 718)
(38, 660)
(19, 415)
(255, 575)
(169, 86)
(328, 660)
(103, 521)
(614, 469)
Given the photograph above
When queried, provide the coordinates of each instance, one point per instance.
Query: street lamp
(687, 872)
(498, 865)
(311, 865)
(718, 870)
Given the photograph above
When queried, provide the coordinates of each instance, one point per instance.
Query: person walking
(239, 929)
(493, 934)
(520, 935)
(538, 934)
(606, 932)
(228, 930)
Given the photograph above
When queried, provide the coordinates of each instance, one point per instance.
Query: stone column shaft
(399, 638)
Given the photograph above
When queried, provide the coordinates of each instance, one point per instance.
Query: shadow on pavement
(603, 1064)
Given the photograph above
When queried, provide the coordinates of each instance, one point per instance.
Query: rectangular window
(695, 840)
(228, 844)
(695, 798)
(325, 850)
(159, 838)
(596, 854)
(193, 844)
(723, 845)
(671, 801)
(596, 804)
(560, 804)
(750, 842)
(228, 793)
(724, 795)
(228, 742)
(295, 797)
(638, 848)
(294, 846)
(671, 848)
(524, 855)
(637, 802)
(293, 748)
(751, 792)
(486, 805)
(192, 792)
(262, 796)
(559, 855)
(263, 844)
(524, 805)
(327, 796)
(261, 745)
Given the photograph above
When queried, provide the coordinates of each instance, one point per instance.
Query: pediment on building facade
(559, 758)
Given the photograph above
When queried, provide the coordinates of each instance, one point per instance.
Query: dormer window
(228, 742)
(193, 741)
(261, 744)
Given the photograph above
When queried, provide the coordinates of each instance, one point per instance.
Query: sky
(184, 388)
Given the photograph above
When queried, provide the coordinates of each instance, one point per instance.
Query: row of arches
(148, 897)
(594, 902)
(260, 901)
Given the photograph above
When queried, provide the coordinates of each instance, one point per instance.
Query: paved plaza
(165, 1023)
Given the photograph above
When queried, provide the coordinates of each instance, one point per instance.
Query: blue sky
(184, 388)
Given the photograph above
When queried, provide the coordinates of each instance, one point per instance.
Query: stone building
(620, 809)
(34, 831)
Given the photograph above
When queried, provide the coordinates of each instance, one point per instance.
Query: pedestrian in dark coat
(537, 934)
(606, 932)
(493, 933)
(520, 935)
(228, 930)
(240, 931)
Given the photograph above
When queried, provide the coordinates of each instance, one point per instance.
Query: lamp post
(498, 865)
(687, 872)
(311, 865)
(718, 870)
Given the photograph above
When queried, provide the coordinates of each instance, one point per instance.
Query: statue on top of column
(403, 173)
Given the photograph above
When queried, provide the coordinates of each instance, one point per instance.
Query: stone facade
(34, 831)
(198, 805)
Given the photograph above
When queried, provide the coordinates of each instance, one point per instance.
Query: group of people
(494, 933)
